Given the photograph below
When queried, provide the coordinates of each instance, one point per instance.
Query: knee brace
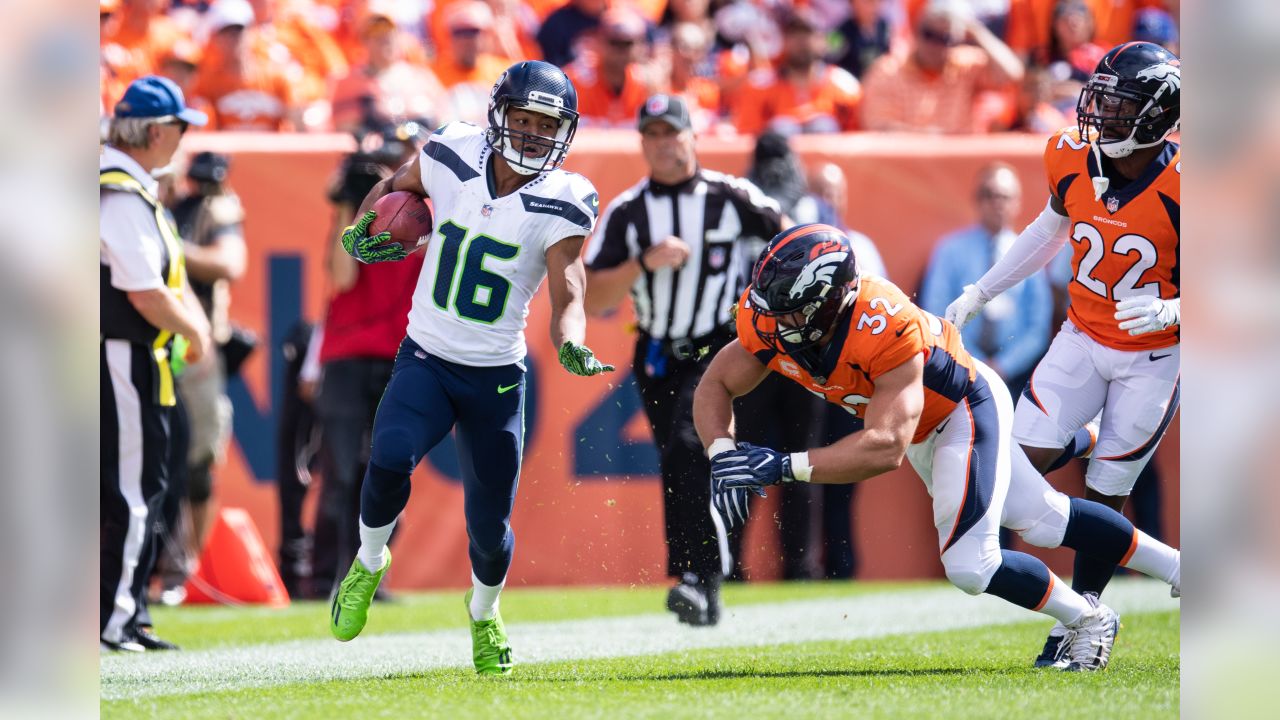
(1048, 529)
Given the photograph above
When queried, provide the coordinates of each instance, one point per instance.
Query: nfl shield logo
(486, 210)
(717, 257)
(1112, 204)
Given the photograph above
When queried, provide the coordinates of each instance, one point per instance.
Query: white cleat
(1092, 636)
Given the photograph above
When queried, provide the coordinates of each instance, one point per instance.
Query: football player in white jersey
(506, 217)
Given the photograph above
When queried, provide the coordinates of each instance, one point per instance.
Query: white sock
(1063, 604)
(1154, 558)
(484, 598)
(373, 541)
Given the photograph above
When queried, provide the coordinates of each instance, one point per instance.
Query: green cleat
(350, 609)
(489, 649)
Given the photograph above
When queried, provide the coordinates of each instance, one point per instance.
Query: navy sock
(383, 496)
(1078, 445)
(1101, 538)
(1021, 579)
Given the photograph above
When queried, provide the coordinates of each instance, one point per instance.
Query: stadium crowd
(958, 66)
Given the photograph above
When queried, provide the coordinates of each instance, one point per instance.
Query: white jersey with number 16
(487, 255)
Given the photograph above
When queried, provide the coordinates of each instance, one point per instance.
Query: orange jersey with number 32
(881, 331)
(1124, 243)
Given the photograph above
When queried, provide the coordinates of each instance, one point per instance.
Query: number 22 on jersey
(462, 282)
(1095, 249)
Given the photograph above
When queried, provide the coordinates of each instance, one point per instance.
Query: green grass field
(784, 650)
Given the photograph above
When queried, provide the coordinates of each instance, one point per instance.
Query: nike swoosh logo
(942, 426)
(502, 389)
(1154, 357)
(901, 330)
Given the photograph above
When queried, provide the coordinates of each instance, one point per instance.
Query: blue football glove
(379, 248)
(748, 469)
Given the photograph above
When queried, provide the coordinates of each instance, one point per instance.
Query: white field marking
(126, 676)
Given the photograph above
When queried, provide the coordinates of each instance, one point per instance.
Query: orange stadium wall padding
(589, 508)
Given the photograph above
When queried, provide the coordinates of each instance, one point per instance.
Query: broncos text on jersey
(487, 256)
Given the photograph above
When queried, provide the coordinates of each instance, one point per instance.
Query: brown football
(406, 216)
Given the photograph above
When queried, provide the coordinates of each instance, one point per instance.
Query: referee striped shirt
(725, 220)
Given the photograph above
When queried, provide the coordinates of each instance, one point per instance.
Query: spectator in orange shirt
(286, 27)
(463, 68)
(515, 27)
(465, 62)
(243, 90)
(611, 93)
(692, 74)
(179, 64)
(1031, 22)
(937, 85)
(805, 94)
(117, 65)
(144, 26)
(386, 89)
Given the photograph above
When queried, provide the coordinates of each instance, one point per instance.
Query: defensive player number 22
(1096, 249)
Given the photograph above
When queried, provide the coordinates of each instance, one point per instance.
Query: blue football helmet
(804, 281)
(1132, 100)
(542, 88)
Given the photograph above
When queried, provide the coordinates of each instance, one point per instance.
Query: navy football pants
(427, 397)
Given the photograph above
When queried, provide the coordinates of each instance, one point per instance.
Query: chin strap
(1101, 182)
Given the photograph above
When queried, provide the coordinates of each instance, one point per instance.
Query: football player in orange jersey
(1114, 190)
(859, 342)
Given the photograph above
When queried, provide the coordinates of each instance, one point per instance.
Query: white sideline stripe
(307, 661)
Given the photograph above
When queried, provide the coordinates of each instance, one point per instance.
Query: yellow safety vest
(175, 279)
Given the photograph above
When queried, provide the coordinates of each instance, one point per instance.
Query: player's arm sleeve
(1034, 248)
(129, 243)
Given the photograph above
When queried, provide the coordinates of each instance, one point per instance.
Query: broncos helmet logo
(820, 270)
(1167, 72)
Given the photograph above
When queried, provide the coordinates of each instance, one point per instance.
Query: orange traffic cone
(235, 565)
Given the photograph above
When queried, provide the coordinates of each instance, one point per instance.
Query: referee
(680, 242)
(145, 301)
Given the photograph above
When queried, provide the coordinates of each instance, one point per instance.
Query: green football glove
(370, 249)
(579, 360)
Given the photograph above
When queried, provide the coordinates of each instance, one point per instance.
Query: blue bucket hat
(154, 96)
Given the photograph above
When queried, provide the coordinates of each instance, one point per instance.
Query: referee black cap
(670, 109)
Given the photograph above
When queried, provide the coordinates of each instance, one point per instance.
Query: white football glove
(967, 306)
(1144, 314)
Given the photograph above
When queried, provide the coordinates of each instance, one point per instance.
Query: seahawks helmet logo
(819, 270)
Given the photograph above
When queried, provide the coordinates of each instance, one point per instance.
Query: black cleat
(688, 600)
(1054, 653)
(126, 646)
(148, 640)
